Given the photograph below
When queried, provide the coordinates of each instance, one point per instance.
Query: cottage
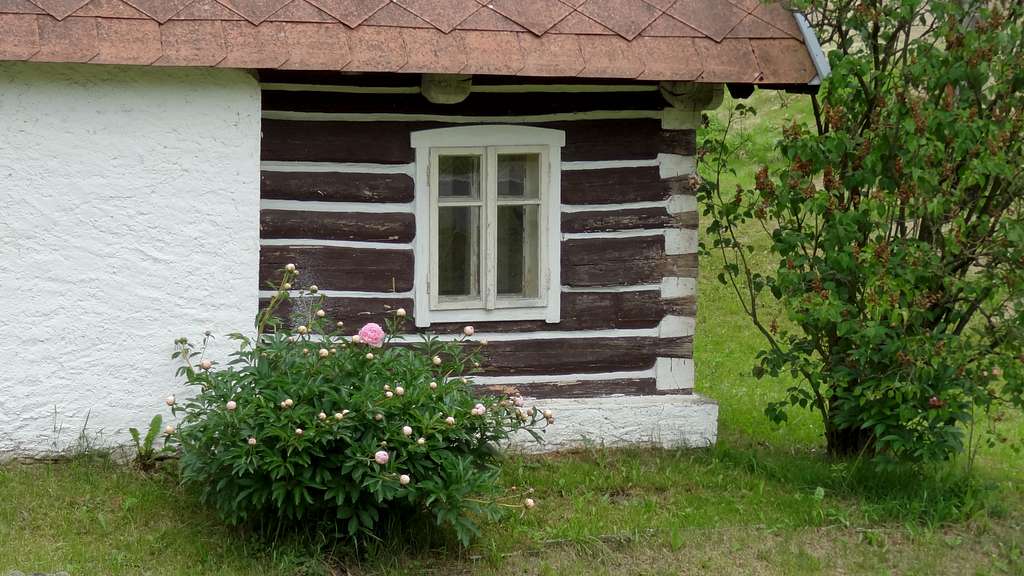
(520, 165)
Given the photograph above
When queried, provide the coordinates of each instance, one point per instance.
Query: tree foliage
(896, 228)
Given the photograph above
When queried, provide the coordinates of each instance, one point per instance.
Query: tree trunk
(846, 442)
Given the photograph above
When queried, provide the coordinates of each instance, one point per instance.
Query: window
(487, 224)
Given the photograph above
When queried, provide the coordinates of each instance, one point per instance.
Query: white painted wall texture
(129, 216)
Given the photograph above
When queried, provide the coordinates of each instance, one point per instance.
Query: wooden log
(579, 355)
(336, 187)
(640, 218)
(614, 186)
(622, 262)
(346, 269)
(592, 311)
(581, 389)
(682, 142)
(384, 227)
(354, 312)
(388, 142)
(476, 104)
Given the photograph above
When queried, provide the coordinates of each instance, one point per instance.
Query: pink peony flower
(372, 334)
(231, 405)
(468, 330)
(407, 430)
(381, 457)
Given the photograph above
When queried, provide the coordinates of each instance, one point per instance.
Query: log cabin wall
(337, 200)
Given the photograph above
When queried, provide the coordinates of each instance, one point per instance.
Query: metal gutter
(818, 56)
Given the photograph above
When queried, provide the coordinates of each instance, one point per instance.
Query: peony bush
(304, 424)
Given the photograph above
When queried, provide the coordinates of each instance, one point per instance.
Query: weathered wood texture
(476, 104)
(633, 219)
(384, 79)
(580, 311)
(580, 355)
(593, 311)
(388, 142)
(387, 227)
(622, 262)
(580, 389)
(336, 187)
(354, 312)
(619, 185)
(348, 269)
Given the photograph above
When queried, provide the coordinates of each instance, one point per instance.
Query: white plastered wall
(129, 216)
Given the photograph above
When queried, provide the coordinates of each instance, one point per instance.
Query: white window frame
(488, 141)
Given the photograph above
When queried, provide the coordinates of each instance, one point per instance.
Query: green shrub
(307, 425)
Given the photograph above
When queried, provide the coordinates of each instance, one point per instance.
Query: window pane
(458, 252)
(458, 177)
(519, 175)
(518, 250)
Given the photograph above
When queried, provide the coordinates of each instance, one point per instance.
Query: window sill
(496, 315)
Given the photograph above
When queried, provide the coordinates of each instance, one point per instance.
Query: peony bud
(340, 324)
(387, 386)
(252, 441)
(287, 286)
(206, 364)
(483, 341)
(324, 352)
(320, 313)
(997, 372)
(381, 457)
(404, 479)
(378, 417)
(298, 431)
(433, 385)
(313, 288)
(389, 394)
(322, 416)
(529, 503)
(302, 329)
(231, 405)
(548, 414)
(529, 411)
(480, 408)
(406, 431)
(400, 312)
(356, 339)
(400, 391)
(450, 421)
(468, 330)
(369, 355)
(288, 403)
(169, 430)
(170, 400)
(518, 400)
(421, 441)
(338, 415)
(289, 267)
(437, 360)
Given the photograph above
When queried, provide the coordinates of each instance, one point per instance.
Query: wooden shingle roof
(740, 41)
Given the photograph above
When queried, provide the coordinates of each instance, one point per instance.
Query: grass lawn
(765, 500)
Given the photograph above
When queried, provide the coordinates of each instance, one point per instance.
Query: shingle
(492, 52)
(670, 27)
(122, 41)
(783, 61)
(487, 19)
(110, 9)
(443, 14)
(377, 49)
(537, 16)
(715, 19)
(255, 11)
(301, 11)
(19, 7)
(206, 10)
(730, 60)
(351, 12)
(626, 17)
(578, 23)
(20, 34)
(60, 9)
(191, 43)
(434, 51)
(69, 40)
(160, 10)
(251, 46)
(609, 57)
(551, 55)
(317, 46)
(780, 18)
(397, 17)
(668, 58)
